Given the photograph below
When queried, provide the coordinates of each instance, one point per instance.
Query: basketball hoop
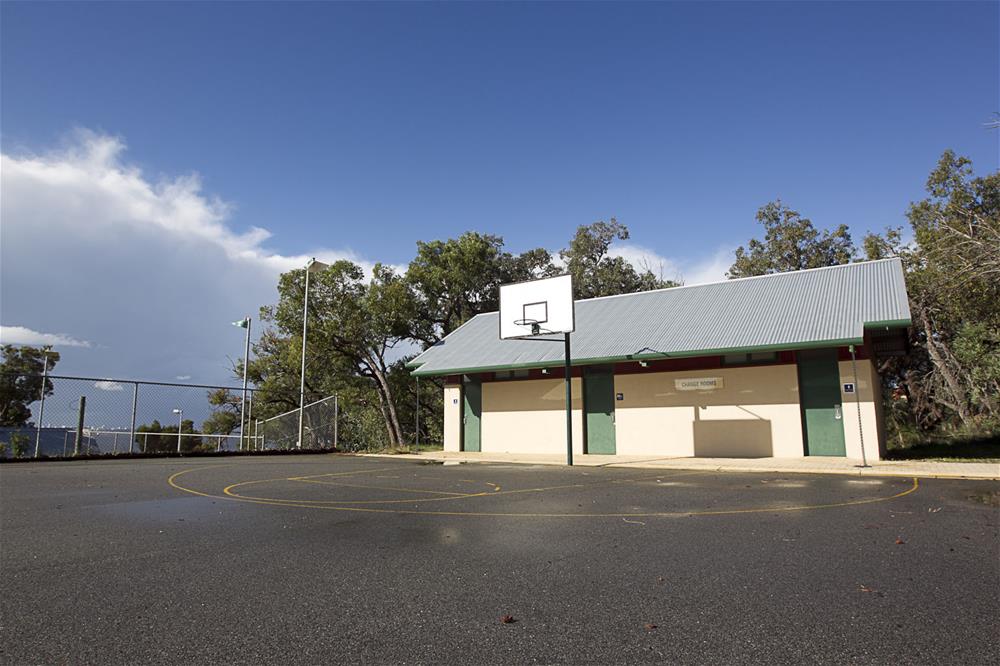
(536, 326)
(527, 306)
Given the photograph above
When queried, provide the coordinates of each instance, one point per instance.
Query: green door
(819, 397)
(472, 401)
(599, 407)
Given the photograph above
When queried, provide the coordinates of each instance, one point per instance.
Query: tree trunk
(391, 417)
(941, 364)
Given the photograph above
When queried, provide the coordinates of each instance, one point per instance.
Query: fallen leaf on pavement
(507, 619)
(650, 627)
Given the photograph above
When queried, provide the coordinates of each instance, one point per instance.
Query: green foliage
(19, 444)
(595, 273)
(21, 371)
(456, 279)
(949, 382)
(225, 416)
(791, 243)
(155, 437)
(362, 328)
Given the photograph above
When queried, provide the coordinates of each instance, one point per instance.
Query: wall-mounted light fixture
(644, 364)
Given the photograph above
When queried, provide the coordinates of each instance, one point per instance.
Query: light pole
(311, 267)
(180, 420)
(244, 323)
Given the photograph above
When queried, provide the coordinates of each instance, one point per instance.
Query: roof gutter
(644, 357)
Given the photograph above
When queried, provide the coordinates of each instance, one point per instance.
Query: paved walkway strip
(909, 468)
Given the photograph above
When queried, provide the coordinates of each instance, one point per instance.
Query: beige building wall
(452, 417)
(755, 414)
(529, 416)
(867, 385)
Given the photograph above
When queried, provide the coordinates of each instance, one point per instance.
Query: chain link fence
(320, 427)
(94, 416)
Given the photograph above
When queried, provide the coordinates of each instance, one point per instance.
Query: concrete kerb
(926, 470)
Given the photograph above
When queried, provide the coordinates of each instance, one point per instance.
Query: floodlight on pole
(244, 323)
(311, 267)
(180, 420)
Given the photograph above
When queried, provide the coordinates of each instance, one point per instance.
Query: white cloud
(153, 268)
(108, 385)
(19, 335)
(709, 269)
(184, 377)
(643, 259)
(685, 270)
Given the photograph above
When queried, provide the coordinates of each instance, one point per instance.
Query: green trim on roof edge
(889, 323)
(647, 357)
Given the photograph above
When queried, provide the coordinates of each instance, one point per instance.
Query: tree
(596, 273)
(355, 325)
(147, 437)
(21, 371)
(459, 278)
(226, 409)
(158, 438)
(952, 372)
(791, 243)
(362, 329)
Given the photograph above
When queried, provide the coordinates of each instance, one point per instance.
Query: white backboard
(548, 303)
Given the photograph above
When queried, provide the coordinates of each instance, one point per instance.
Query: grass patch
(411, 448)
(967, 449)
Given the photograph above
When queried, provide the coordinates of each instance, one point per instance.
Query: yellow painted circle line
(172, 481)
(228, 490)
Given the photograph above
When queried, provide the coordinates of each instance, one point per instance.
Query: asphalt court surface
(466, 490)
(311, 559)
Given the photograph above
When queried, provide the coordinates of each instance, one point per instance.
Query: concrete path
(816, 465)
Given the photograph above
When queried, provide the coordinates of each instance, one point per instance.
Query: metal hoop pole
(857, 401)
(569, 407)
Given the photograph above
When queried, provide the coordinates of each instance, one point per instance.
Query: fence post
(336, 422)
(249, 418)
(418, 415)
(135, 404)
(79, 425)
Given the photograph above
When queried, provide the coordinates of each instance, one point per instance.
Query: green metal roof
(819, 307)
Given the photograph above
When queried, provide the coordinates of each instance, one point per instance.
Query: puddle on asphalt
(170, 510)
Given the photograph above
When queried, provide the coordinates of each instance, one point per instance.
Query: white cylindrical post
(135, 404)
(243, 403)
(180, 420)
(41, 405)
(302, 375)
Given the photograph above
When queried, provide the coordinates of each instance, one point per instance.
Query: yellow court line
(341, 474)
(228, 490)
(172, 481)
(401, 490)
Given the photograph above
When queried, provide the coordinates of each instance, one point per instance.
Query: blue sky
(363, 128)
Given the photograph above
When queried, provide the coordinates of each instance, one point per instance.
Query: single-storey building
(753, 367)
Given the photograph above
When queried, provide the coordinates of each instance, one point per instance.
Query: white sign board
(538, 307)
(698, 384)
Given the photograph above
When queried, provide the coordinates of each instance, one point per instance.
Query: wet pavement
(333, 558)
